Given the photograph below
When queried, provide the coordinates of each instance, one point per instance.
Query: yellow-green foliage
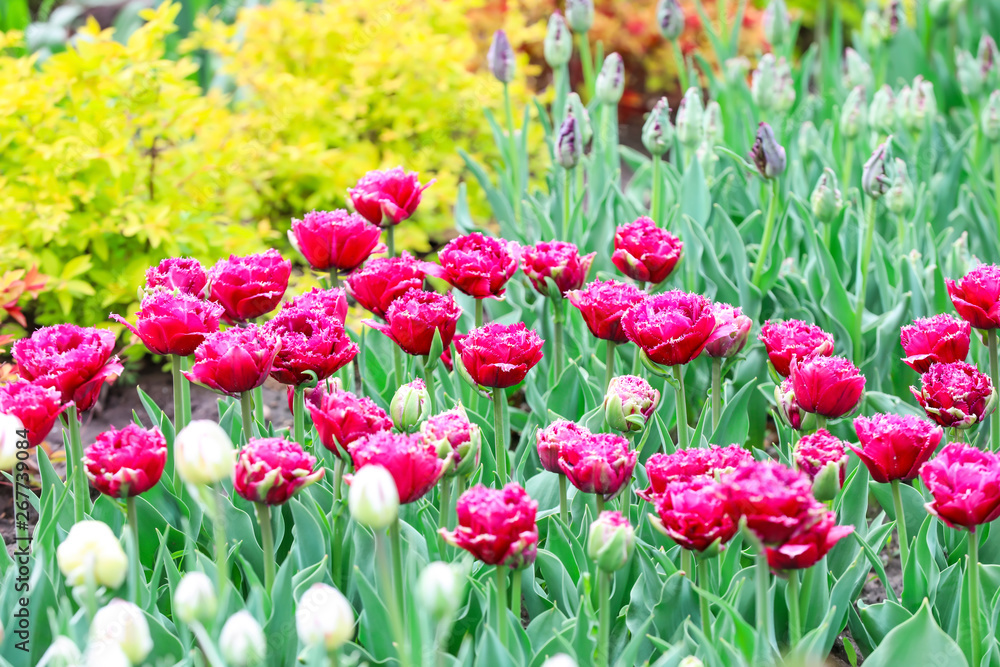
(111, 156)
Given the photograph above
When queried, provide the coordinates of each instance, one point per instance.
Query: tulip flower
(821, 456)
(324, 617)
(776, 23)
(882, 111)
(500, 58)
(917, 105)
(341, 418)
(610, 541)
(183, 274)
(687, 464)
(601, 464)
(335, 241)
(771, 85)
(549, 441)
(414, 318)
(568, 150)
(808, 544)
(690, 117)
(251, 286)
(387, 197)
(826, 200)
(558, 261)
(330, 303)
(11, 431)
(977, 296)
(91, 551)
(63, 652)
(602, 304)
(990, 117)
(768, 155)
(169, 323)
(854, 114)
(35, 406)
(500, 355)
(658, 131)
(412, 462)
(477, 265)
(195, 599)
(373, 498)
(772, 498)
(440, 589)
(629, 403)
(242, 642)
(645, 252)
(875, 180)
(453, 435)
(941, 339)
(203, 453)
(955, 395)
(124, 624)
(410, 405)
(496, 526)
(900, 198)
(310, 346)
(695, 514)
(126, 463)
(893, 447)
(829, 387)
(785, 340)
(857, 72)
(384, 279)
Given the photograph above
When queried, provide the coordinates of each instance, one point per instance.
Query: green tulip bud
(658, 131)
(853, 115)
(882, 111)
(771, 84)
(575, 108)
(874, 179)
(990, 117)
(611, 541)
(857, 72)
(242, 641)
(900, 197)
(558, 45)
(324, 617)
(808, 140)
(670, 18)
(712, 124)
(691, 661)
(969, 73)
(194, 599)
(690, 119)
(61, 653)
(826, 199)
(776, 22)
(916, 105)
(629, 402)
(124, 624)
(373, 498)
(988, 57)
(874, 29)
(409, 406)
(736, 70)
(440, 589)
(580, 15)
(826, 483)
(611, 80)
(560, 660)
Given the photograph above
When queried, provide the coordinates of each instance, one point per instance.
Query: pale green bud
(409, 406)
(691, 661)
(575, 108)
(242, 641)
(558, 46)
(61, 653)
(882, 111)
(658, 131)
(826, 483)
(874, 29)
(611, 541)
(670, 18)
(857, 72)
(776, 22)
(560, 660)
(916, 105)
(690, 119)
(771, 84)
(990, 117)
(736, 70)
(629, 402)
(988, 58)
(195, 598)
(969, 73)
(611, 80)
(440, 589)
(324, 617)
(124, 624)
(900, 197)
(853, 115)
(712, 123)
(826, 198)
(373, 498)
(203, 453)
(809, 140)
(580, 15)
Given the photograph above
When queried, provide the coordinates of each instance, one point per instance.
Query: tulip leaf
(734, 423)
(913, 505)
(916, 641)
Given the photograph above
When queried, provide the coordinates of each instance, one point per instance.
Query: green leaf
(917, 641)
(734, 423)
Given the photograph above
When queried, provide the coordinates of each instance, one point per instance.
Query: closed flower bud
(882, 111)
(105, 654)
(771, 84)
(900, 196)
(409, 405)
(768, 155)
(990, 117)
(732, 328)
(854, 113)
(857, 72)
(324, 617)
(826, 198)
(194, 599)
(736, 70)
(712, 124)
(242, 641)
(500, 58)
(611, 80)
(124, 624)
(92, 550)
(821, 456)
(580, 15)
(203, 453)
(9, 428)
(560, 660)
(670, 18)
(874, 179)
(575, 108)
(611, 541)
(569, 144)
(629, 402)
(874, 29)
(62, 652)
(969, 73)
(440, 589)
(776, 22)
(691, 661)
(791, 413)
(558, 44)
(690, 119)
(917, 105)
(809, 140)
(658, 131)
(452, 434)
(373, 498)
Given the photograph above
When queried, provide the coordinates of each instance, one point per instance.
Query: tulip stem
(512, 148)
(299, 413)
(258, 404)
(334, 278)
(687, 563)
(221, 550)
(848, 166)
(991, 338)
(794, 615)
(558, 326)
(515, 593)
(716, 392)
(563, 506)
(479, 313)
(266, 543)
(682, 413)
(500, 439)
(429, 366)
(382, 556)
(185, 391)
(390, 239)
(765, 244)
(866, 254)
(820, 422)
(974, 593)
(444, 513)
(397, 569)
(178, 380)
(133, 522)
(904, 542)
(603, 617)
(338, 542)
(397, 365)
(600, 503)
(567, 174)
(587, 62)
(763, 578)
(246, 405)
(502, 604)
(654, 196)
(609, 364)
(81, 490)
(703, 583)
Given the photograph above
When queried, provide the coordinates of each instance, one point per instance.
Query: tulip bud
(969, 73)
(917, 105)
(452, 434)
(691, 661)
(203, 453)
(91, 549)
(882, 112)
(857, 72)
(670, 18)
(409, 405)
(712, 124)
(691, 118)
(771, 85)
(873, 29)
(440, 589)
(852, 116)
(9, 428)
(324, 617)
(874, 180)
(124, 624)
(776, 22)
(105, 654)
(736, 70)
(988, 56)
(575, 108)
(580, 15)
(611, 80)
(788, 408)
(558, 45)
(61, 653)
(242, 641)
(373, 498)
(560, 660)
(569, 144)
(990, 117)
(500, 57)
(767, 153)
(826, 199)
(658, 131)
(611, 541)
(629, 402)
(808, 140)
(194, 599)
(826, 483)
(900, 196)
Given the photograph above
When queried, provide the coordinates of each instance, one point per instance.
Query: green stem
(266, 543)
(133, 522)
(763, 579)
(564, 233)
(991, 337)
(654, 197)
(299, 414)
(682, 78)
(444, 509)
(397, 569)
(258, 404)
(996, 178)
(397, 365)
(334, 278)
(500, 439)
(901, 232)
(794, 616)
(361, 363)
(479, 313)
(563, 507)
(390, 239)
(866, 254)
(429, 366)
(682, 413)
(90, 590)
(515, 593)
(703, 583)
(502, 604)
(687, 563)
(974, 593)
(600, 503)
(383, 558)
(603, 618)
(609, 364)
(904, 542)
(587, 62)
(512, 144)
(820, 422)
(81, 490)
(338, 477)
(338, 520)
(246, 405)
(221, 549)
(765, 244)
(186, 391)
(558, 326)
(178, 379)
(848, 166)
(716, 392)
